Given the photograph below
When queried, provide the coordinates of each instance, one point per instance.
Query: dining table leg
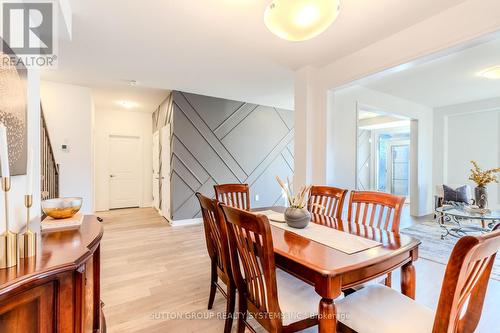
(327, 320)
(408, 279)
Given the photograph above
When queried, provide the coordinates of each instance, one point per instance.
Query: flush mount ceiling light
(492, 73)
(127, 104)
(367, 115)
(298, 20)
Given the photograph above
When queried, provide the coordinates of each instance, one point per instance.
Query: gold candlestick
(28, 238)
(8, 240)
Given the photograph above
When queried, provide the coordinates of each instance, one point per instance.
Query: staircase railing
(49, 167)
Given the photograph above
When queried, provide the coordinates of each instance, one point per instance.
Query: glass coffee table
(453, 221)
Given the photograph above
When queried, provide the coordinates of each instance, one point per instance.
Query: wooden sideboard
(59, 289)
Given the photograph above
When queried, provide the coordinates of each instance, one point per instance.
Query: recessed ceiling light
(367, 115)
(492, 73)
(131, 83)
(298, 20)
(127, 104)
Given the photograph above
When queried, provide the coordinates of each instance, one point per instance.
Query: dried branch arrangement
(298, 200)
(483, 178)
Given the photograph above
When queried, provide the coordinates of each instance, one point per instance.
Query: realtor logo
(28, 27)
(29, 33)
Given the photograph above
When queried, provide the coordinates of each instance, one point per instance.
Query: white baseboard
(142, 205)
(179, 223)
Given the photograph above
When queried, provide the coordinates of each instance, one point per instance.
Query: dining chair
(326, 200)
(234, 195)
(218, 250)
(277, 300)
(378, 308)
(376, 209)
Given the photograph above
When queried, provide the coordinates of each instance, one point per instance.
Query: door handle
(112, 176)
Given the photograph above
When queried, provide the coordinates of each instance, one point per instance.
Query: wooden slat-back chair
(234, 195)
(465, 283)
(376, 209)
(252, 260)
(326, 200)
(460, 303)
(218, 250)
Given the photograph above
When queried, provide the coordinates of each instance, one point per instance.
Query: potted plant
(482, 178)
(296, 214)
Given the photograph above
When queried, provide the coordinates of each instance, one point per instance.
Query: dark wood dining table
(331, 271)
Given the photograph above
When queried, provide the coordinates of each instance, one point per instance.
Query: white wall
(310, 127)
(68, 111)
(438, 35)
(431, 37)
(18, 183)
(465, 132)
(127, 123)
(341, 170)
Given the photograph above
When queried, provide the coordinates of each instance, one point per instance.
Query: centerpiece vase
(297, 217)
(481, 196)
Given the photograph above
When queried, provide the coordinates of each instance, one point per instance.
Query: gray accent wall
(217, 140)
(364, 160)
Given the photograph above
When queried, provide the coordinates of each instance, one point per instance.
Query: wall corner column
(310, 128)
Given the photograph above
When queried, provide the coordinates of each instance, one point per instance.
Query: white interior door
(156, 170)
(165, 172)
(125, 174)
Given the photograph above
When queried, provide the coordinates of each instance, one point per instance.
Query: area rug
(434, 248)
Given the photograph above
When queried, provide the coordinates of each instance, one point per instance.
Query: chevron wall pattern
(223, 141)
(364, 160)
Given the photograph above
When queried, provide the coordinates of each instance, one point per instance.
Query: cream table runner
(330, 237)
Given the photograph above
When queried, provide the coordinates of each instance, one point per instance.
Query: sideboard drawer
(59, 289)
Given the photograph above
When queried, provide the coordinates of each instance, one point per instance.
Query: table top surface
(329, 261)
(462, 213)
(56, 251)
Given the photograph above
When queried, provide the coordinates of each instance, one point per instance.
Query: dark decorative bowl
(297, 218)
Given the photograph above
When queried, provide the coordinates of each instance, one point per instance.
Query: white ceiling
(146, 99)
(448, 80)
(216, 47)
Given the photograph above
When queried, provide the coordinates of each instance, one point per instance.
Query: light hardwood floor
(152, 273)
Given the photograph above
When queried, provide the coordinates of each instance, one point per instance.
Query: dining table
(331, 271)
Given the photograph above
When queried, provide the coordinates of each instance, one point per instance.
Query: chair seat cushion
(297, 299)
(377, 309)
